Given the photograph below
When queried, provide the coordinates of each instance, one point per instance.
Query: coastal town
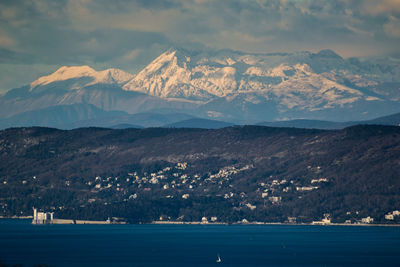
(170, 180)
(180, 181)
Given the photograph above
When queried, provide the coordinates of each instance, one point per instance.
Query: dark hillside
(242, 172)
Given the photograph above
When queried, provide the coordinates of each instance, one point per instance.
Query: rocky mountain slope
(226, 85)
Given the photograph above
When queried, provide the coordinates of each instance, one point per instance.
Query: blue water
(197, 245)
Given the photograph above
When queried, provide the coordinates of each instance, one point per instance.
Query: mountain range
(224, 85)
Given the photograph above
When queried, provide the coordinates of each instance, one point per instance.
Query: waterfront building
(42, 217)
(367, 220)
(325, 221)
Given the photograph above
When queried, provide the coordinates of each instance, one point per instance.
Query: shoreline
(69, 221)
(17, 217)
(273, 223)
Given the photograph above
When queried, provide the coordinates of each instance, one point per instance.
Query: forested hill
(251, 172)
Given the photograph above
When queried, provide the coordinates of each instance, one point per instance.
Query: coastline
(70, 221)
(273, 223)
(16, 217)
(61, 221)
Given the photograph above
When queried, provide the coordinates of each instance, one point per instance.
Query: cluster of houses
(179, 177)
(175, 177)
(226, 172)
(205, 220)
(273, 189)
(327, 220)
(391, 215)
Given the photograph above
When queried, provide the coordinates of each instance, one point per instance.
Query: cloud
(140, 15)
(392, 28)
(128, 34)
(217, 23)
(373, 7)
(132, 54)
(5, 40)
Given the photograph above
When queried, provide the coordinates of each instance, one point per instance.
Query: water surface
(197, 245)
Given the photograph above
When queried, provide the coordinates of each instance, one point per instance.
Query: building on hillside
(389, 216)
(275, 200)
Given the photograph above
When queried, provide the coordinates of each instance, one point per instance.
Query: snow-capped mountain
(301, 80)
(83, 76)
(79, 85)
(225, 85)
(174, 74)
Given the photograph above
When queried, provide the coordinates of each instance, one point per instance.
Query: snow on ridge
(64, 73)
(176, 74)
(113, 75)
(108, 76)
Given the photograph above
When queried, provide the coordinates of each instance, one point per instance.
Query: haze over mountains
(225, 85)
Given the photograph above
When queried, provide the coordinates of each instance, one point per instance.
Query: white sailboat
(219, 258)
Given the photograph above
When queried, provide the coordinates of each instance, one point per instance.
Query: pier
(40, 217)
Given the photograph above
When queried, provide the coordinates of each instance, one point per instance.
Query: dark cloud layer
(128, 34)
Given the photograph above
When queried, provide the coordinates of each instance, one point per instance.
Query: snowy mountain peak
(168, 75)
(86, 74)
(65, 73)
(165, 58)
(183, 74)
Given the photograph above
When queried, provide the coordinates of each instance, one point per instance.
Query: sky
(38, 36)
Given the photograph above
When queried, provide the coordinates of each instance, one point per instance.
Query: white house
(367, 220)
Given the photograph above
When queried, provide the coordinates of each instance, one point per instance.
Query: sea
(196, 245)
